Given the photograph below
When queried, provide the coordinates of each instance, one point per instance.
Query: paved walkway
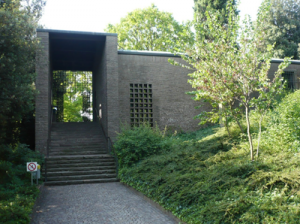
(106, 203)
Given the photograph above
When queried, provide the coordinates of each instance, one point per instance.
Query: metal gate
(72, 96)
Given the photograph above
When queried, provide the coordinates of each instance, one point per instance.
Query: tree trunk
(248, 132)
(239, 124)
(227, 128)
(259, 134)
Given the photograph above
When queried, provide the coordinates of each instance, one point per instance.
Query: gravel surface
(104, 203)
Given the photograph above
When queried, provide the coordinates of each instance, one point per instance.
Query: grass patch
(207, 177)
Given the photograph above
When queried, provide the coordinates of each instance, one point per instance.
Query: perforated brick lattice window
(288, 76)
(141, 107)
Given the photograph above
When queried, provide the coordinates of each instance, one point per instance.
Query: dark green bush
(137, 143)
(207, 177)
(17, 196)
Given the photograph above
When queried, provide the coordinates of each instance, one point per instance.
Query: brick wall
(42, 113)
(111, 55)
(171, 106)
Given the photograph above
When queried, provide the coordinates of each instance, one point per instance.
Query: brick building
(128, 86)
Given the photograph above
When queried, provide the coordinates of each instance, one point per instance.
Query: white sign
(32, 167)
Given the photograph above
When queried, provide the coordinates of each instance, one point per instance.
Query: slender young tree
(228, 67)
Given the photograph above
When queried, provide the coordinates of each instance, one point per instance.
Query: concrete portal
(77, 51)
(131, 87)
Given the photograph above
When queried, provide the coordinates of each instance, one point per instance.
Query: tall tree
(18, 45)
(283, 27)
(152, 30)
(201, 7)
(224, 73)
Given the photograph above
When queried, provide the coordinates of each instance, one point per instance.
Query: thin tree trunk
(239, 124)
(226, 125)
(259, 134)
(248, 132)
(236, 119)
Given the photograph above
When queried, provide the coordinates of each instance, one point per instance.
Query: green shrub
(17, 196)
(206, 177)
(137, 143)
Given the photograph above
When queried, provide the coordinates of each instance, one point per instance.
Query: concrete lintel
(76, 32)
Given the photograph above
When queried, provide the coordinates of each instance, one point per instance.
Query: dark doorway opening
(72, 95)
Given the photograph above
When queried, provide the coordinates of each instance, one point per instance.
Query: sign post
(32, 167)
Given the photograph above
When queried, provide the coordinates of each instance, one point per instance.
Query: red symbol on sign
(31, 166)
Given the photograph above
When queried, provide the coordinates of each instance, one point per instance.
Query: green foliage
(152, 30)
(206, 177)
(18, 45)
(134, 144)
(16, 195)
(201, 6)
(283, 27)
(229, 68)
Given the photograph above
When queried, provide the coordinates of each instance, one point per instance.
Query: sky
(95, 15)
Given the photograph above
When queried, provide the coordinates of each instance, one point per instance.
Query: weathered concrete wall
(171, 106)
(43, 99)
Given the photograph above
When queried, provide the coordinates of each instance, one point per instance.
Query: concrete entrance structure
(128, 86)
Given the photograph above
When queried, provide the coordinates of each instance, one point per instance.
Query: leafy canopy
(283, 27)
(229, 68)
(18, 45)
(201, 7)
(152, 30)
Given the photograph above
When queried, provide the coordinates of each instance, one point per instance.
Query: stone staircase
(77, 154)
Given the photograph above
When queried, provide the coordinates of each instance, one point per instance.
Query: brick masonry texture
(171, 106)
(43, 98)
(107, 203)
(112, 75)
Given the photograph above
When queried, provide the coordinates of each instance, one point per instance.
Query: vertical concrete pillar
(111, 61)
(42, 102)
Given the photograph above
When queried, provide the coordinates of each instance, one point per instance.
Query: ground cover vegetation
(207, 177)
(152, 30)
(18, 46)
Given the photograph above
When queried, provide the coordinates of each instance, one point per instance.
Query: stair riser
(88, 168)
(81, 177)
(81, 173)
(51, 183)
(80, 160)
(71, 165)
(77, 153)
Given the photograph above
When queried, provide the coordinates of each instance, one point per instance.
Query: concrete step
(84, 141)
(86, 181)
(84, 168)
(79, 161)
(75, 149)
(85, 164)
(51, 173)
(57, 153)
(82, 177)
(78, 157)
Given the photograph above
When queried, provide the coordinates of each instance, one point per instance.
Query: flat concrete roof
(275, 60)
(148, 53)
(76, 32)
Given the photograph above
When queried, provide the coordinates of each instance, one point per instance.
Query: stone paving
(105, 203)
